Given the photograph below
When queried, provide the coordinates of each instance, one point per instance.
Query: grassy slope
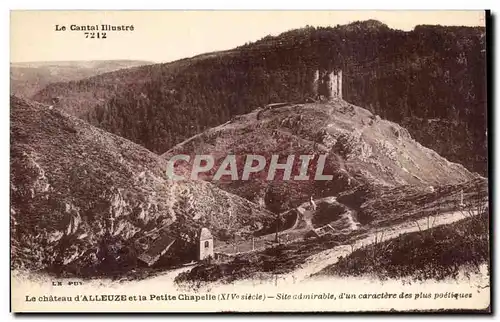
(382, 206)
(436, 253)
(80, 196)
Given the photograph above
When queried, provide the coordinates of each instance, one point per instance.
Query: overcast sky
(162, 36)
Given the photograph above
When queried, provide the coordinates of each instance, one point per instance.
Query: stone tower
(334, 85)
(315, 84)
(327, 84)
(205, 244)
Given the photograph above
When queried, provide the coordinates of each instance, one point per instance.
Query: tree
(273, 203)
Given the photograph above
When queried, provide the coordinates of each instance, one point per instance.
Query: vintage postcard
(249, 161)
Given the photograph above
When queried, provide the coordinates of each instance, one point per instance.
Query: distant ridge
(29, 77)
(432, 72)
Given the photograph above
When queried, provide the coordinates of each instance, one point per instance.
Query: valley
(391, 141)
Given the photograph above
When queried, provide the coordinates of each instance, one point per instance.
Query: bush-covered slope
(81, 197)
(436, 253)
(432, 74)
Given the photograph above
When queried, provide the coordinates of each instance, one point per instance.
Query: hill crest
(401, 76)
(360, 148)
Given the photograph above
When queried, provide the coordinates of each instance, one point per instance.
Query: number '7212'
(95, 35)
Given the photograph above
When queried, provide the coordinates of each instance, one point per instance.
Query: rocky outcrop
(360, 148)
(81, 197)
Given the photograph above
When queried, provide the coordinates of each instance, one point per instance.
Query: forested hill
(431, 80)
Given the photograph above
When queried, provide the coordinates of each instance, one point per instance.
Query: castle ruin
(327, 84)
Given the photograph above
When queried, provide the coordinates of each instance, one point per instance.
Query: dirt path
(305, 215)
(319, 261)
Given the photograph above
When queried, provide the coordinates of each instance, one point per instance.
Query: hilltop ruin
(327, 84)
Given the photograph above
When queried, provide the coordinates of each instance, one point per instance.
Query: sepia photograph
(249, 161)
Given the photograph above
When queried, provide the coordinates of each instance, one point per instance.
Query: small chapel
(205, 244)
(162, 246)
